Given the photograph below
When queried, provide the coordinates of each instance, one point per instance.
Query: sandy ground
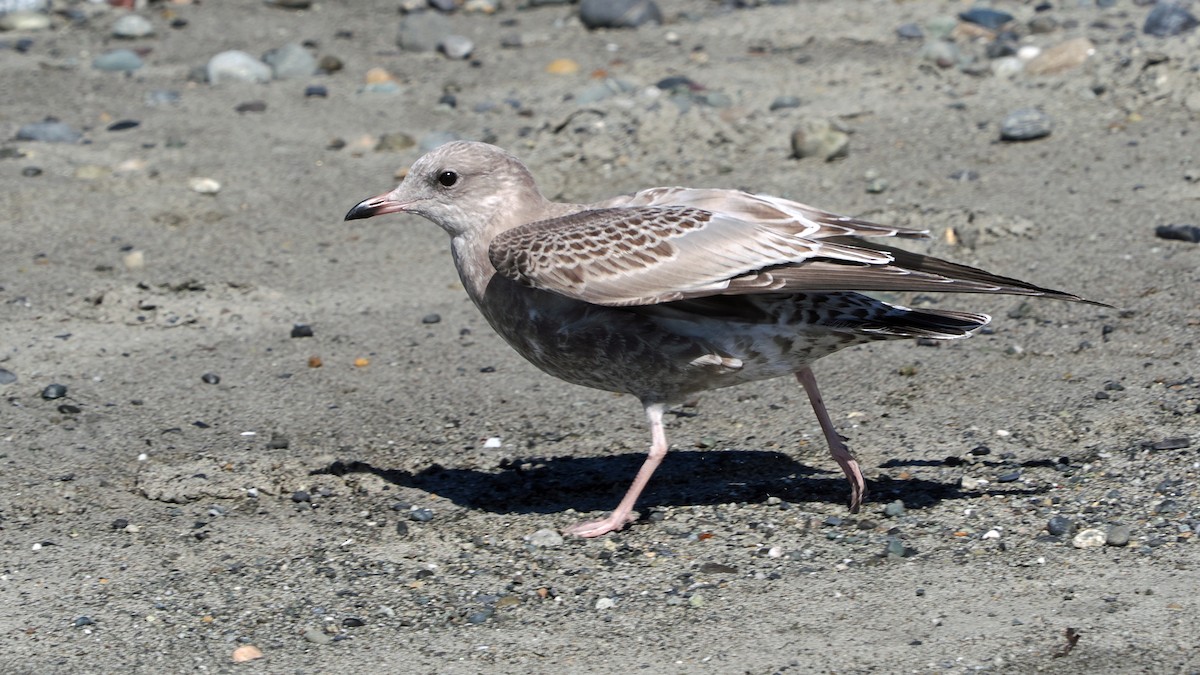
(149, 520)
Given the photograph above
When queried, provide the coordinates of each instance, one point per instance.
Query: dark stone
(53, 391)
(717, 568)
(618, 13)
(302, 330)
(1188, 233)
(992, 19)
(210, 378)
(1060, 525)
(301, 496)
(1169, 18)
(316, 91)
(122, 125)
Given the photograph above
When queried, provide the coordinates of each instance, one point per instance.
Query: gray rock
(942, 52)
(292, 60)
(456, 46)
(818, 138)
(1089, 538)
(1118, 535)
(545, 538)
(785, 102)
(423, 32)
(1169, 18)
(894, 509)
(24, 21)
(618, 13)
(50, 131)
(132, 26)
(117, 61)
(7, 376)
(237, 66)
(1060, 525)
(1025, 124)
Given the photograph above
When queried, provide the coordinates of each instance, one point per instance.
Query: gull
(673, 291)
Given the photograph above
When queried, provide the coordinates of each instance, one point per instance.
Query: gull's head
(461, 186)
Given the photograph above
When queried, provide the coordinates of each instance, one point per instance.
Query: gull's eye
(448, 178)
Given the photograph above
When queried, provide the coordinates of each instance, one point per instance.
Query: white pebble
(493, 442)
(606, 603)
(205, 186)
(1089, 538)
(991, 534)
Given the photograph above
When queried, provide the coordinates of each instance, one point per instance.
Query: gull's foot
(597, 528)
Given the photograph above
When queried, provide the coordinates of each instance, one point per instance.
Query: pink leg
(623, 514)
(837, 445)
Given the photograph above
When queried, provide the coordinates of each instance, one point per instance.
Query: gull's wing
(649, 248)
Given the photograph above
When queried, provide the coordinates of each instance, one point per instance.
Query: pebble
(420, 515)
(54, 391)
(123, 125)
(605, 603)
(909, 31)
(278, 441)
(302, 330)
(784, 103)
(246, 653)
(991, 19)
(818, 138)
(1009, 477)
(84, 621)
(1025, 124)
(941, 52)
(301, 496)
(1061, 57)
(1169, 18)
(329, 64)
(1118, 535)
(456, 47)
(394, 142)
(210, 378)
(1189, 233)
(50, 131)
(894, 509)
(316, 91)
(132, 26)
(481, 616)
(618, 13)
(159, 97)
(7, 376)
(562, 67)
(24, 21)
(1089, 538)
(292, 60)
(31, 171)
(117, 61)
(423, 31)
(545, 538)
(134, 260)
(205, 186)
(1060, 525)
(237, 66)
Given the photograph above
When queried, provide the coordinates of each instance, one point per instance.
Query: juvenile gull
(674, 291)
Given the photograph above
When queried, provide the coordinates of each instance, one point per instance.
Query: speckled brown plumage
(673, 291)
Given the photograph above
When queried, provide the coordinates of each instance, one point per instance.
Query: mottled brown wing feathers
(643, 255)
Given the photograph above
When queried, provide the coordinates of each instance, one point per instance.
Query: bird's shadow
(687, 477)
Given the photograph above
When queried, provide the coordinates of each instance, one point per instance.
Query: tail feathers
(937, 324)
